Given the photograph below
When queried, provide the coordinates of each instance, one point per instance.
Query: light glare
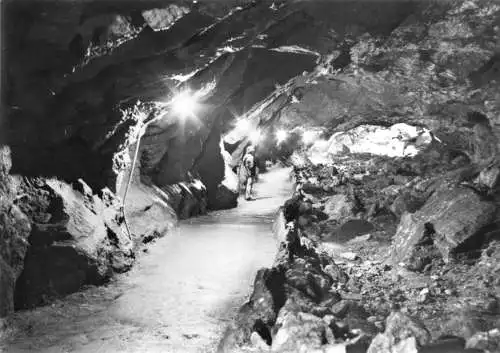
(281, 136)
(242, 124)
(255, 137)
(184, 104)
(308, 137)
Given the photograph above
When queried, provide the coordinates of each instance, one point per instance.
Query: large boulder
(449, 220)
(188, 199)
(402, 335)
(340, 207)
(77, 238)
(489, 177)
(301, 332)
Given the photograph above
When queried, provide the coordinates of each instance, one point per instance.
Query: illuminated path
(179, 296)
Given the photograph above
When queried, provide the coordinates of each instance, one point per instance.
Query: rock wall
(82, 79)
(76, 239)
(14, 232)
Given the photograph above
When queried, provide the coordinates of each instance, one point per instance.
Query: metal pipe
(134, 160)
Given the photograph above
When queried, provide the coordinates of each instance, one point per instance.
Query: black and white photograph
(250, 176)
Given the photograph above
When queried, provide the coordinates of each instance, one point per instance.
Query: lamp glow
(184, 104)
(308, 137)
(242, 124)
(281, 136)
(255, 137)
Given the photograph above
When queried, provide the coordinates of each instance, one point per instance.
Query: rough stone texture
(300, 332)
(160, 19)
(450, 218)
(77, 238)
(489, 341)
(489, 177)
(14, 231)
(188, 199)
(259, 313)
(402, 335)
(216, 175)
(340, 207)
(292, 303)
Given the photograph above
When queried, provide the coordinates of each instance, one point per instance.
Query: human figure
(248, 171)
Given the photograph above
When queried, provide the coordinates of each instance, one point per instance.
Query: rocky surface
(351, 295)
(82, 231)
(14, 232)
(419, 212)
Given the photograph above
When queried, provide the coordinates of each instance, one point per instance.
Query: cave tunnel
(249, 175)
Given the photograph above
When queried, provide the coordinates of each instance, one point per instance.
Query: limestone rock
(489, 341)
(489, 177)
(450, 218)
(224, 198)
(162, 18)
(259, 313)
(15, 228)
(188, 199)
(339, 207)
(87, 240)
(301, 332)
(402, 335)
(226, 195)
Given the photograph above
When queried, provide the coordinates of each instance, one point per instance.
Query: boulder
(188, 199)
(406, 202)
(162, 18)
(449, 220)
(308, 278)
(14, 232)
(291, 210)
(224, 198)
(489, 341)
(402, 335)
(339, 207)
(76, 239)
(489, 177)
(259, 313)
(301, 332)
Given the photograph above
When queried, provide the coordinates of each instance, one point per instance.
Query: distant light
(184, 104)
(281, 136)
(255, 137)
(242, 124)
(308, 137)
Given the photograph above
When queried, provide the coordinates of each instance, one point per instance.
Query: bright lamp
(281, 136)
(184, 104)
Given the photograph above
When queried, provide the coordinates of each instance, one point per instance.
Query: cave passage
(180, 295)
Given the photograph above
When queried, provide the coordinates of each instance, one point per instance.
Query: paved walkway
(179, 296)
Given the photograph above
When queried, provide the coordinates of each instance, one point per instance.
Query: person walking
(248, 171)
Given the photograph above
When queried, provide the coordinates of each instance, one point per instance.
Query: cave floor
(180, 295)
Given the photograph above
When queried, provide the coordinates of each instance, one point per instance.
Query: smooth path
(179, 296)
